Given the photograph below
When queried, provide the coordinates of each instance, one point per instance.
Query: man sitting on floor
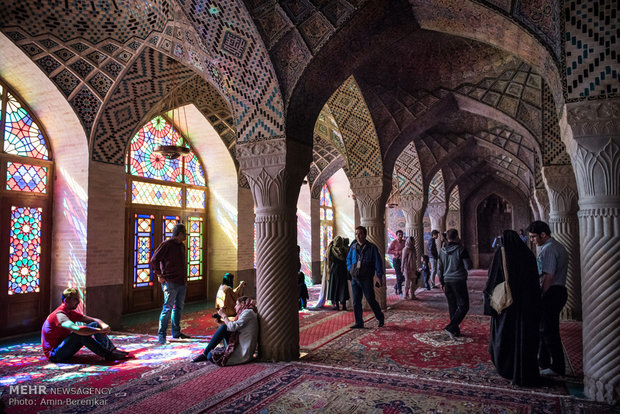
(66, 331)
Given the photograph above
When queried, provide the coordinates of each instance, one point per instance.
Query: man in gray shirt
(552, 268)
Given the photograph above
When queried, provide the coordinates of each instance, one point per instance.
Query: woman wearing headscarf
(227, 296)
(409, 267)
(240, 334)
(338, 291)
(514, 332)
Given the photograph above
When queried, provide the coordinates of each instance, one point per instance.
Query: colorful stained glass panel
(194, 174)
(25, 250)
(143, 248)
(26, 177)
(22, 135)
(145, 162)
(156, 194)
(326, 197)
(168, 225)
(195, 247)
(195, 198)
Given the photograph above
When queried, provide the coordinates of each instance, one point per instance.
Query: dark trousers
(458, 304)
(100, 344)
(400, 278)
(550, 351)
(222, 334)
(366, 288)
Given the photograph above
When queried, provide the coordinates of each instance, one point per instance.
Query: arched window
(326, 215)
(161, 193)
(25, 215)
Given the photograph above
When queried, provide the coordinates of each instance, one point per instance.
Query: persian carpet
(300, 388)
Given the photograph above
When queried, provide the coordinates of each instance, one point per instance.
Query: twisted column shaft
(412, 206)
(594, 148)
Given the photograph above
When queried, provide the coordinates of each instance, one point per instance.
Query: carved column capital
(597, 171)
(411, 202)
(562, 189)
(542, 200)
(600, 118)
(436, 210)
(368, 192)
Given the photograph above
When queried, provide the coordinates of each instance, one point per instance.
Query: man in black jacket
(452, 267)
(433, 255)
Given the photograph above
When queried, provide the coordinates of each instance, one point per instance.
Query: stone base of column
(608, 392)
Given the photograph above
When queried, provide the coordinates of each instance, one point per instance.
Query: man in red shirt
(396, 251)
(66, 331)
(169, 263)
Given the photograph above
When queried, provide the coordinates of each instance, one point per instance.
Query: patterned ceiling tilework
(337, 12)
(316, 30)
(64, 54)
(408, 172)
(553, 149)
(66, 82)
(327, 128)
(79, 47)
(273, 22)
(349, 109)
(455, 199)
(538, 179)
(592, 29)
(324, 175)
(437, 189)
(94, 21)
(517, 93)
(48, 64)
(31, 49)
(230, 36)
(544, 19)
(97, 57)
(442, 145)
(100, 83)
(510, 141)
(86, 105)
(82, 68)
(112, 68)
(150, 77)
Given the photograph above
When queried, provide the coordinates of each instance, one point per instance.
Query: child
(426, 271)
(303, 291)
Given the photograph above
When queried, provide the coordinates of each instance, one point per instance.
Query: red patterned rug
(304, 388)
(415, 344)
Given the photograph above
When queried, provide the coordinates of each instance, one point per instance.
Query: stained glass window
(168, 223)
(25, 250)
(194, 248)
(193, 170)
(143, 247)
(326, 215)
(156, 194)
(195, 198)
(26, 177)
(22, 136)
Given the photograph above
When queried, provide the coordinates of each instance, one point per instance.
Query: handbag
(501, 298)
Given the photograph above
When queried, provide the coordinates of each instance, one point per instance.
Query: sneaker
(356, 326)
(181, 335)
(381, 323)
(450, 334)
(162, 340)
(548, 372)
(200, 358)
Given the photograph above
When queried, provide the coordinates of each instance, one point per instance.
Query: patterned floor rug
(304, 388)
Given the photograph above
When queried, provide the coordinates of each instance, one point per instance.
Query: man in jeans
(552, 267)
(365, 265)
(65, 331)
(396, 251)
(452, 267)
(169, 264)
(433, 255)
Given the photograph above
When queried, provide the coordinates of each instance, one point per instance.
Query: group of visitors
(525, 337)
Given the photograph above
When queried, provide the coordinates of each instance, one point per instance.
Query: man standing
(169, 264)
(552, 268)
(396, 250)
(66, 331)
(365, 265)
(433, 255)
(452, 267)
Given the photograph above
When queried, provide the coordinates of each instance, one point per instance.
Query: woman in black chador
(514, 332)
(336, 255)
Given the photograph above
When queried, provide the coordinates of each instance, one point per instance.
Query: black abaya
(514, 332)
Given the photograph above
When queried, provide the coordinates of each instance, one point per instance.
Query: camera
(217, 317)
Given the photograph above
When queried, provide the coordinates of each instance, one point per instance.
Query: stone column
(595, 154)
(542, 201)
(412, 205)
(562, 190)
(275, 181)
(370, 198)
(534, 208)
(437, 213)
